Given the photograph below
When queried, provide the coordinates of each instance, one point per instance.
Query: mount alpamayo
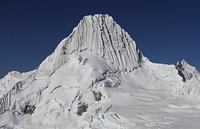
(97, 78)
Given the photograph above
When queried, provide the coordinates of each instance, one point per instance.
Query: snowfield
(97, 78)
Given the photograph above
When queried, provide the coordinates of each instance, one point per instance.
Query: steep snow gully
(98, 78)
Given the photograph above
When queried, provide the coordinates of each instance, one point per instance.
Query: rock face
(98, 78)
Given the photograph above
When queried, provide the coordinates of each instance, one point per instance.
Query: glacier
(97, 78)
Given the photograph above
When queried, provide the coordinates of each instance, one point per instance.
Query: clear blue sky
(166, 31)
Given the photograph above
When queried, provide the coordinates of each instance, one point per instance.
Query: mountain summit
(98, 78)
(101, 35)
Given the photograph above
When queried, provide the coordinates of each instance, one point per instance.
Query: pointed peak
(186, 70)
(98, 16)
(183, 61)
(101, 19)
(101, 35)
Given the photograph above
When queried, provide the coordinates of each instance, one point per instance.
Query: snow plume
(98, 78)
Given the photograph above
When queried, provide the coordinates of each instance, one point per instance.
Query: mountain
(98, 78)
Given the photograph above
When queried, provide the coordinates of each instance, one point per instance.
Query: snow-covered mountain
(98, 78)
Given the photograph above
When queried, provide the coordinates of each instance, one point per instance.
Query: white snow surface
(100, 66)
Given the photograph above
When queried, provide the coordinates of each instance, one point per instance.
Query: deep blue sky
(166, 31)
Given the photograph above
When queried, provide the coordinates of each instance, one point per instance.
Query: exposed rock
(82, 108)
(97, 95)
(29, 109)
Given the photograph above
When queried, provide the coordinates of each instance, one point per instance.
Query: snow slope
(98, 78)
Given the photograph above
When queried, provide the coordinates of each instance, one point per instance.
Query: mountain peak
(98, 16)
(84, 83)
(101, 35)
(186, 70)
